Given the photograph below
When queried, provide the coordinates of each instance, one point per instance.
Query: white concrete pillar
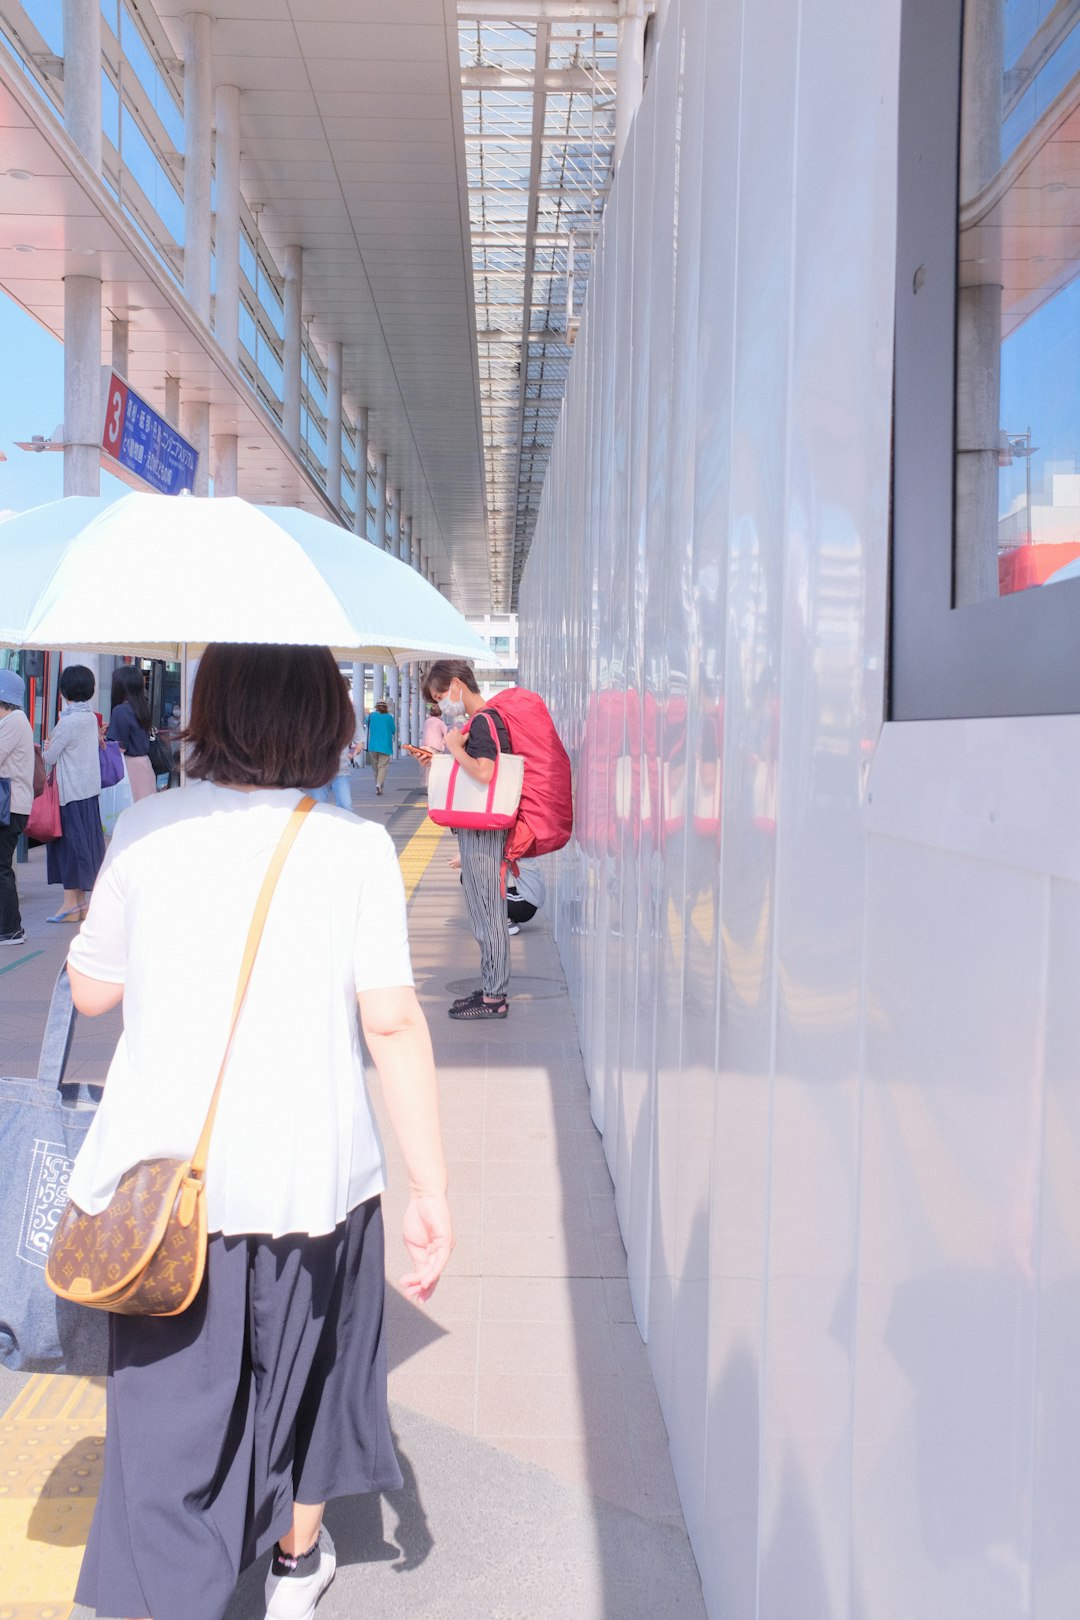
(404, 548)
(629, 69)
(82, 400)
(227, 219)
(198, 132)
(333, 425)
(359, 678)
(406, 673)
(82, 385)
(393, 698)
(360, 519)
(380, 500)
(378, 672)
(293, 268)
(392, 503)
(121, 345)
(225, 464)
(415, 552)
(172, 401)
(195, 426)
(82, 78)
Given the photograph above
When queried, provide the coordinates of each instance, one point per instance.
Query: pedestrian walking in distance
(381, 727)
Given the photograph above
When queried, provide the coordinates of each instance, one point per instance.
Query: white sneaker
(513, 928)
(293, 1597)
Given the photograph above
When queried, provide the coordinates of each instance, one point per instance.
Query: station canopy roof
(444, 168)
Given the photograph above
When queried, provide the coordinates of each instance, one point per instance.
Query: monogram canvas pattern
(46, 1197)
(135, 1257)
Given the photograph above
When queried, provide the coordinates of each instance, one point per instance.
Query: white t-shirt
(295, 1146)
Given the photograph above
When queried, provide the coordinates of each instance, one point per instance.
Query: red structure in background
(1024, 566)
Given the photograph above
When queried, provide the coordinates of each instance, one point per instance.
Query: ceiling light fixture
(20, 174)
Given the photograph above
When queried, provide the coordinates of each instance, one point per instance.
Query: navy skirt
(74, 859)
(269, 1389)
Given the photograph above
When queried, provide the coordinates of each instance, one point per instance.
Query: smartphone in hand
(422, 754)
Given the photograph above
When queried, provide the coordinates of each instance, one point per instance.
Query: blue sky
(32, 401)
(1040, 389)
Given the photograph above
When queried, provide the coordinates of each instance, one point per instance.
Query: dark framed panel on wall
(986, 477)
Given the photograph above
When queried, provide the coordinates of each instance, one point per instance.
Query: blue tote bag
(43, 1123)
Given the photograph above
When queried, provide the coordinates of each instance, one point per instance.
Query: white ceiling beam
(557, 79)
(543, 35)
(534, 11)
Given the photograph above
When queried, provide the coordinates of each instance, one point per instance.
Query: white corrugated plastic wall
(824, 968)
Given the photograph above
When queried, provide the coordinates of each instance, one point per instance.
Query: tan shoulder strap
(255, 932)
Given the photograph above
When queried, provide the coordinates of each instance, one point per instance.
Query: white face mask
(451, 709)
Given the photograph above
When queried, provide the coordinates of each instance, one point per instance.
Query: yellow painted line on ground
(52, 1435)
(51, 1440)
(415, 859)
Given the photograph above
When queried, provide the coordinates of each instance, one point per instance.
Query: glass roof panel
(538, 163)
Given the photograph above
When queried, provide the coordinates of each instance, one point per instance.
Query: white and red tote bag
(456, 799)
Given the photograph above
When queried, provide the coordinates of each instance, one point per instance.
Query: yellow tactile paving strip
(51, 1441)
(416, 857)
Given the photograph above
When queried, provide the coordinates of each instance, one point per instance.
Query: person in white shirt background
(526, 892)
(71, 750)
(230, 1425)
(17, 764)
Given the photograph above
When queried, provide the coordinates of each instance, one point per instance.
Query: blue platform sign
(144, 443)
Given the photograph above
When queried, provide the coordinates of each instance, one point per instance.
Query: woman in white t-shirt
(229, 1426)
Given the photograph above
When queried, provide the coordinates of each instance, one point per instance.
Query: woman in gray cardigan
(74, 858)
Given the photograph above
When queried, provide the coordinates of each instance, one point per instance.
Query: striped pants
(481, 853)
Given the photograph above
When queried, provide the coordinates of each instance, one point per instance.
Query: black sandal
(481, 1009)
(469, 1000)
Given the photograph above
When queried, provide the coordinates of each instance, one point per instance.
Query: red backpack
(545, 817)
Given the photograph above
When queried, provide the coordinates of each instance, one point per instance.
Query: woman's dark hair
(128, 686)
(442, 672)
(268, 716)
(77, 683)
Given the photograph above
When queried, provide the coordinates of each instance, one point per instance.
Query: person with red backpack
(516, 721)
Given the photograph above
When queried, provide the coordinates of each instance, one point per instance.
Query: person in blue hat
(17, 764)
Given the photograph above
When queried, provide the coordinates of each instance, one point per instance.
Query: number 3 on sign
(114, 417)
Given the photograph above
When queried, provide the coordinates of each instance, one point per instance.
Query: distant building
(500, 631)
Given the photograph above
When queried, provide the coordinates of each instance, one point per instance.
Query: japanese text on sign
(143, 442)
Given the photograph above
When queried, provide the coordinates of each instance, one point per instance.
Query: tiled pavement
(537, 1475)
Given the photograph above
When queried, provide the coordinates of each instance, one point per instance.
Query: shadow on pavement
(356, 1524)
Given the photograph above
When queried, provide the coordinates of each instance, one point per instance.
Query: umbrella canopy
(158, 575)
(1071, 570)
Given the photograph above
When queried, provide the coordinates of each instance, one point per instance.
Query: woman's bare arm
(397, 1037)
(481, 770)
(93, 996)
